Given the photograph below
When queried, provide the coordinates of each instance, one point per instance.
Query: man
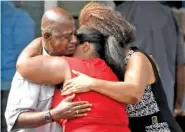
(18, 29)
(27, 99)
(157, 34)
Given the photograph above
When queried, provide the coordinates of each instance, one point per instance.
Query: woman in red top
(107, 115)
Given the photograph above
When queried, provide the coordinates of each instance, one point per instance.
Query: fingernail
(65, 93)
(89, 109)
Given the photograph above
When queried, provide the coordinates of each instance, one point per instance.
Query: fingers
(74, 104)
(76, 72)
(70, 91)
(67, 86)
(66, 93)
(80, 115)
(84, 106)
(67, 83)
(83, 111)
(69, 98)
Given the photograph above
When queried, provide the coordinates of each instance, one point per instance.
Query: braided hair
(108, 22)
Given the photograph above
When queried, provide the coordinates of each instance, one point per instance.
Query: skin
(130, 91)
(58, 31)
(58, 38)
(180, 90)
(64, 110)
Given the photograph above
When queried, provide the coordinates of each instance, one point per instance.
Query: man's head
(58, 32)
(107, 21)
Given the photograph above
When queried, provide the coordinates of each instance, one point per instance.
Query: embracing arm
(30, 120)
(39, 68)
(44, 69)
(138, 74)
(65, 110)
(136, 78)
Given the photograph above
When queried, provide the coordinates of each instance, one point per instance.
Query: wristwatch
(48, 118)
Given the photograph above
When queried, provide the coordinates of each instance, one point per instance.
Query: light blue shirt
(17, 31)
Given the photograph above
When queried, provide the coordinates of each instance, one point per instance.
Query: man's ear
(47, 35)
(86, 46)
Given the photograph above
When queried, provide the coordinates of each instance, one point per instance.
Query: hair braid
(107, 21)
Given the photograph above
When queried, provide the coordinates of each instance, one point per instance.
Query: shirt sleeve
(180, 50)
(23, 97)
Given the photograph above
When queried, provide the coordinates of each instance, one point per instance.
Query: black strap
(160, 97)
(156, 73)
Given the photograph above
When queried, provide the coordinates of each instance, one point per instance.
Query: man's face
(63, 40)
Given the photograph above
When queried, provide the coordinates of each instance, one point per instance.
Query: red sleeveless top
(106, 115)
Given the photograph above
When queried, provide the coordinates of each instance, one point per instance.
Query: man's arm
(30, 120)
(25, 97)
(65, 110)
(21, 99)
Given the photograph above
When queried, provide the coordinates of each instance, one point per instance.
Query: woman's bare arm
(137, 76)
(39, 68)
(44, 69)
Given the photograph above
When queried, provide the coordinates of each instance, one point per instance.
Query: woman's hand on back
(79, 84)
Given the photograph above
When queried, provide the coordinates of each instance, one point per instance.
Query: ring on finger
(77, 112)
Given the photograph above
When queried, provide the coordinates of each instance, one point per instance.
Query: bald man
(29, 103)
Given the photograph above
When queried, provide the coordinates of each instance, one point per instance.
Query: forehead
(65, 28)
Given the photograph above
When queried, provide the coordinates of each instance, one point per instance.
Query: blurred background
(21, 20)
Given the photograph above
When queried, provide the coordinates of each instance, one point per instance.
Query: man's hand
(69, 110)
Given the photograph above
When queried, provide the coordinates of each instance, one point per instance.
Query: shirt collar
(44, 52)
